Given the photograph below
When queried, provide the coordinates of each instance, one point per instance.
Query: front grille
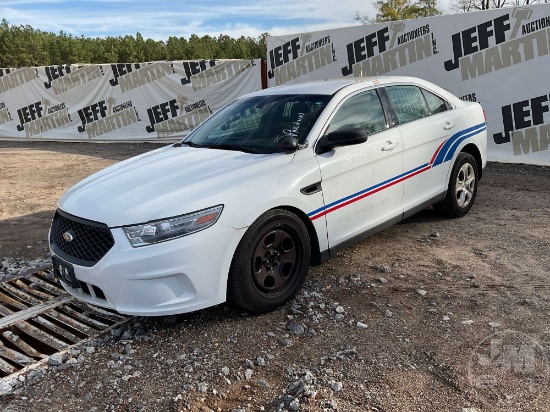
(91, 240)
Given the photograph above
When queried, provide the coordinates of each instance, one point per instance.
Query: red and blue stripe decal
(444, 153)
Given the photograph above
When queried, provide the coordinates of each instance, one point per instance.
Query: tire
(270, 263)
(462, 187)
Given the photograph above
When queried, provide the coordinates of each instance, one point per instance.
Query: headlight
(178, 226)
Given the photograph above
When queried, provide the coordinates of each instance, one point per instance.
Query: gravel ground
(432, 314)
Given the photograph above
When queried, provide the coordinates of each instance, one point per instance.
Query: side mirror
(287, 144)
(344, 137)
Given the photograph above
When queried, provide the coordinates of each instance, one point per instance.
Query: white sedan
(276, 181)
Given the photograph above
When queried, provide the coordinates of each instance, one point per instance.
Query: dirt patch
(33, 175)
(432, 314)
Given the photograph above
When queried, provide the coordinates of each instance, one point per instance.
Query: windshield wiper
(228, 146)
(222, 146)
(190, 144)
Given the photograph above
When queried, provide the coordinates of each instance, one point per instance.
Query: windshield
(255, 124)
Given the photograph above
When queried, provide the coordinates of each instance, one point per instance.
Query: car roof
(331, 86)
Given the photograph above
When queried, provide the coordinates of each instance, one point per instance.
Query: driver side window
(363, 110)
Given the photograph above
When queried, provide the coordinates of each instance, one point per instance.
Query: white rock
(202, 387)
(467, 322)
(55, 360)
(422, 292)
(5, 388)
(362, 325)
(336, 386)
(294, 405)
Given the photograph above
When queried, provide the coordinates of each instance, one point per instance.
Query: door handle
(390, 146)
(448, 126)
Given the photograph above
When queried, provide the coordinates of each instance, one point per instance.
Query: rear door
(360, 183)
(425, 122)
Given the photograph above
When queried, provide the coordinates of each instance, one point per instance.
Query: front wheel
(462, 187)
(270, 263)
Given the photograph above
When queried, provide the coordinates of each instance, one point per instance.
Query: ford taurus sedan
(276, 181)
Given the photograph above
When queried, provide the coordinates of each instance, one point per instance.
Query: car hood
(166, 182)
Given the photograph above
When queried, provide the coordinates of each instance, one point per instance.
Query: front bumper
(176, 276)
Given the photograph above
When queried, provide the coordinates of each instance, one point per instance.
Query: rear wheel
(462, 187)
(270, 263)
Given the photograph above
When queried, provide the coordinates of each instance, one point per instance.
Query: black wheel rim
(275, 260)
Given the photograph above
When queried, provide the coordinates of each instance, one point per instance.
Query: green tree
(226, 47)
(392, 10)
(154, 50)
(111, 50)
(140, 48)
(200, 47)
(7, 45)
(127, 50)
(176, 48)
(96, 50)
(428, 8)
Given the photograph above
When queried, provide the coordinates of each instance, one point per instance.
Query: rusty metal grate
(38, 318)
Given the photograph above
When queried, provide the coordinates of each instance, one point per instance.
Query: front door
(361, 183)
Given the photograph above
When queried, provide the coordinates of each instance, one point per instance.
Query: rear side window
(408, 103)
(363, 110)
(435, 103)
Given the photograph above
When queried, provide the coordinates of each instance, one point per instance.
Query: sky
(160, 19)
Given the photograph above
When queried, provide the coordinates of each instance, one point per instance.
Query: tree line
(24, 46)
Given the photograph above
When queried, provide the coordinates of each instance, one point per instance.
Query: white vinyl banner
(119, 102)
(499, 58)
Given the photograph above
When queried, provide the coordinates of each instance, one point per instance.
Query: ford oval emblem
(68, 236)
